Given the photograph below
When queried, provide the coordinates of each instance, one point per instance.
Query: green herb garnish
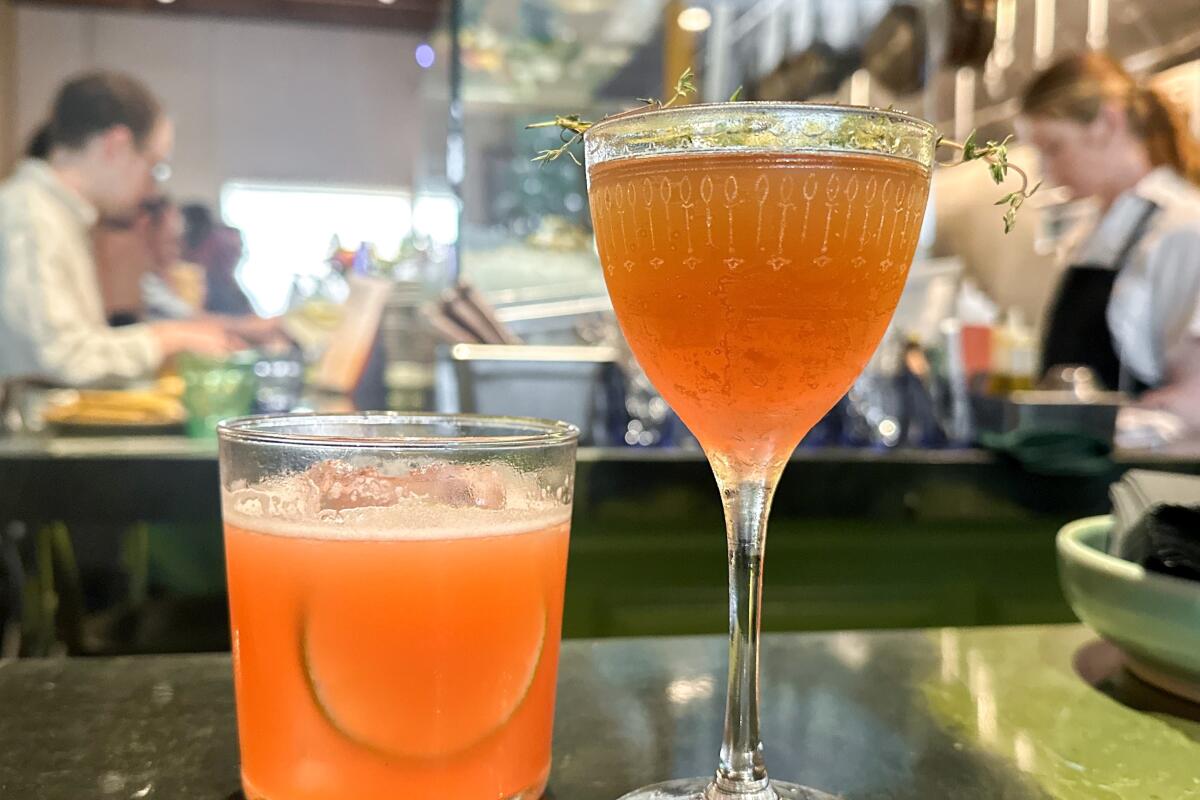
(572, 129)
(572, 126)
(995, 155)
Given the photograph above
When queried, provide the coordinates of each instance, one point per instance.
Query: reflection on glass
(853, 650)
(948, 645)
(979, 681)
(684, 690)
(1024, 753)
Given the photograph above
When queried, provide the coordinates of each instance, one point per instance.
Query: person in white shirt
(108, 138)
(1129, 303)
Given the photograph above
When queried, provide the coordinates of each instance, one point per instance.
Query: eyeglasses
(154, 206)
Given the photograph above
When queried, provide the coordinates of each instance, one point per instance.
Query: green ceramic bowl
(1154, 619)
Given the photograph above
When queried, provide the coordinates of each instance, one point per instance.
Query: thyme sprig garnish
(572, 126)
(684, 87)
(995, 155)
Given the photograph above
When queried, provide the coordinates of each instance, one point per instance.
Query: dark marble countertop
(967, 714)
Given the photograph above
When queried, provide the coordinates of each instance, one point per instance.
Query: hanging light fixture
(860, 88)
(1097, 24)
(1043, 32)
(964, 102)
(694, 19)
(1006, 28)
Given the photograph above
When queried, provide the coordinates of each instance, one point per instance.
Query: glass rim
(895, 114)
(881, 131)
(522, 432)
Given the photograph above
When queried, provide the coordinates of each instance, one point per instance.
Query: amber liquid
(753, 288)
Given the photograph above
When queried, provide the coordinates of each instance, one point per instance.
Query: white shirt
(1155, 305)
(52, 323)
(161, 301)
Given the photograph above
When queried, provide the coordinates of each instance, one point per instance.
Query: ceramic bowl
(1154, 619)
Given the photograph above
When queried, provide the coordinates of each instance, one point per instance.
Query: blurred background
(369, 162)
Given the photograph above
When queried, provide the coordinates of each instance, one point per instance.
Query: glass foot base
(697, 789)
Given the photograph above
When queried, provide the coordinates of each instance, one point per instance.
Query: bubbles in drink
(343, 500)
(341, 486)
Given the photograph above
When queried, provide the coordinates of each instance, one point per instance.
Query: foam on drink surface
(340, 501)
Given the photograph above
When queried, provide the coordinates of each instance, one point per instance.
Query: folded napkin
(1053, 452)
(1156, 522)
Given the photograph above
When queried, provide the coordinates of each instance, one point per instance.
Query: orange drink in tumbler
(396, 611)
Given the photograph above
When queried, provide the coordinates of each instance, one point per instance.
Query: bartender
(1127, 305)
(107, 141)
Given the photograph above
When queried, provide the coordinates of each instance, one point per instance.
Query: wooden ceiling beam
(411, 15)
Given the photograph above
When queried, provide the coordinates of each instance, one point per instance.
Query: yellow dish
(101, 408)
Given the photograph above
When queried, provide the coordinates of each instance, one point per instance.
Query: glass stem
(742, 773)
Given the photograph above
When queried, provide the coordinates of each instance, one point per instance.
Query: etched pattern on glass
(888, 212)
(752, 287)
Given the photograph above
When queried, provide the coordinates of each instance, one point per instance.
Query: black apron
(1077, 323)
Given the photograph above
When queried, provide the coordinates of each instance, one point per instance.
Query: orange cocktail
(753, 287)
(754, 253)
(396, 627)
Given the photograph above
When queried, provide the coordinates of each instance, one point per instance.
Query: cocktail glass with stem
(754, 254)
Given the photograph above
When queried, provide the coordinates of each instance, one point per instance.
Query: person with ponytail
(1128, 304)
(101, 154)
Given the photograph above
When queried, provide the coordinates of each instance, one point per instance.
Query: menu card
(345, 357)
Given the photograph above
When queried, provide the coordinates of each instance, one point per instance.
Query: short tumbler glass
(396, 591)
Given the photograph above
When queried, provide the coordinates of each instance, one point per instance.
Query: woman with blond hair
(1128, 304)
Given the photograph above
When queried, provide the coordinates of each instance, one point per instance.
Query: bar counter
(1033, 713)
(859, 538)
(156, 478)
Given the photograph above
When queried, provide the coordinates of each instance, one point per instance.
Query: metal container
(546, 382)
(1049, 410)
(554, 322)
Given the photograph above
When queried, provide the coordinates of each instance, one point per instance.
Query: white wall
(272, 101)
(8, 41)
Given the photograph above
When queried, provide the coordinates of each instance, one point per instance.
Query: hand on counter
(1180, 393)
(203, 336)
(256, 330)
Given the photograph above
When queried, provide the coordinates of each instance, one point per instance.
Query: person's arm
(1181, 393)
(260, 330)
(202, 336)
(1175, 314)
(64, 343)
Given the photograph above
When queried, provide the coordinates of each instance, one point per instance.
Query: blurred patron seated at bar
(172, 288)
(145, 277)
(1128, 306)
(106, 147)
(218, 248)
